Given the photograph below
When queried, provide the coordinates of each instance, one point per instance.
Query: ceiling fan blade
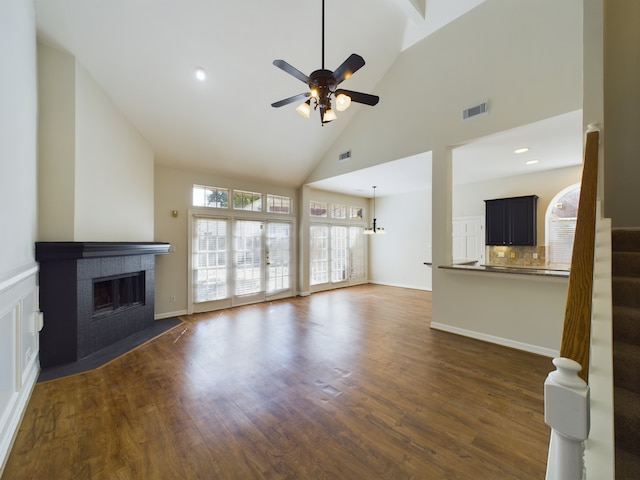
(365, 98)
(291, 70)
(350, 66)
(295, 98)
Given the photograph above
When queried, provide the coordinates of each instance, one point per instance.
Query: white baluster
(566, 411)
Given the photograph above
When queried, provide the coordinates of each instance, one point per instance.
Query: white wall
(114, 170)
(528, 64)
(622, 112)
(57, 144)
(96, 181)
(397, 258)
(18, 293)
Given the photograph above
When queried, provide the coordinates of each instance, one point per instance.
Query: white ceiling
(143, 53)
(555, 142)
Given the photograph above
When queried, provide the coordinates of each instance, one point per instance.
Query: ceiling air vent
(344, 156)
(480, 109)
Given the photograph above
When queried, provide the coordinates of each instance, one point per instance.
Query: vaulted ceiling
(143, 53)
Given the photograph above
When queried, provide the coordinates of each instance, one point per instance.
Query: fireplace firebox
(113, 293)
(93, 294)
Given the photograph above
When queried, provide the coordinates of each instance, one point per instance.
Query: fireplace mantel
(77, 250)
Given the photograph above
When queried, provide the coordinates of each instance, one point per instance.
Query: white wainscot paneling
(19, 365)
(7, 362)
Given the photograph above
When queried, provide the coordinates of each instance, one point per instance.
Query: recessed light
(531, 162)
(521, 150)
(200, 74)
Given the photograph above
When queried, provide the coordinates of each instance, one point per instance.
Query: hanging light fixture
(375, 230)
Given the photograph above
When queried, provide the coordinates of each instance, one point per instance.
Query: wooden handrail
(576, 333)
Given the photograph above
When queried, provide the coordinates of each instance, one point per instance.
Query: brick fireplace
(93, 294)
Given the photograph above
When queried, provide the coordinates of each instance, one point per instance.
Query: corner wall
(397, 258)
(97, 170)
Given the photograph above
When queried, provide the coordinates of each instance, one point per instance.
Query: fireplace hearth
(93, 294)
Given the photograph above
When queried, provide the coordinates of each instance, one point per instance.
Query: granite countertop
(513, 269)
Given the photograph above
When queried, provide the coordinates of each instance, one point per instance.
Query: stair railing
(566, 392)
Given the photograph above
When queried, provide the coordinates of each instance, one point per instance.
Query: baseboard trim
(162, 316)
(401, 285)
(15, 412)
(505, 342)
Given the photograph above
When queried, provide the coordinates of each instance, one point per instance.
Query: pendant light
(375, 230)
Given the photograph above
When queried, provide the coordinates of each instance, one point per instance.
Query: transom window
(338, 211)
(318, 209)
(214, 197)
(355, 213)
(278, 204)
(249, 201)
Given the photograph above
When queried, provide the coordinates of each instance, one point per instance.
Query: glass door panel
(248, 261)
(210, 267)
(339, 253)
(278, 257)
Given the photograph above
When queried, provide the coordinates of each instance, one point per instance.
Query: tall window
(209, 265)
(319, 253)
(561, 225)
(357, 265)
(339, 253)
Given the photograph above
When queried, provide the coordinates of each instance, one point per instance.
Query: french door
(337, 256)
(238, 261)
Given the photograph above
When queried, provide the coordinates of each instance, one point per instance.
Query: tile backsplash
(516, 256)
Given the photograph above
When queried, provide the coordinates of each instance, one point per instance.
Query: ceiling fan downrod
(322, 34)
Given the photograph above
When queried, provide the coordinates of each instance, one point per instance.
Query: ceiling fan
(323, 87)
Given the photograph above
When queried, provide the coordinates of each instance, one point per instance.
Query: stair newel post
(566, 411)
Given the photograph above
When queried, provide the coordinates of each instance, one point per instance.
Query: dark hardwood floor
(349, 384)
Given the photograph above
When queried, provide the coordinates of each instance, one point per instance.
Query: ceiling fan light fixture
(304, 109)
(329, 115)
(342, 102)
(322, 85)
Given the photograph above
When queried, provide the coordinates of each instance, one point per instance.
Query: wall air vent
(344, 156)
(480, 109)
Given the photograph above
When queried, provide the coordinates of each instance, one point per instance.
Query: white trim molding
(20, 323)
(526, 347)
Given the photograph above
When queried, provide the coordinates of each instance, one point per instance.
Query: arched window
(560, 221)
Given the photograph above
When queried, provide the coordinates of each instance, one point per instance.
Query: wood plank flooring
(349, 384)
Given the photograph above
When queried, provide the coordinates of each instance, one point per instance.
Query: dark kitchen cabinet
(511, 221)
